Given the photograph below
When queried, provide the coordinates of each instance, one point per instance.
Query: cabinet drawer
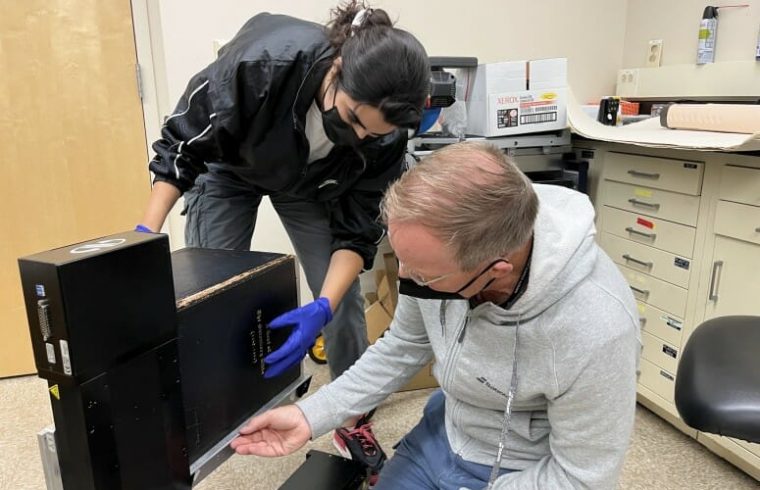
(646, 259)
(740, 184)
(663, 325)
(660, 352)
(652, 202)
(658, 380)
(671, 237)
(659, 173)
(660, 294)
(738, 221)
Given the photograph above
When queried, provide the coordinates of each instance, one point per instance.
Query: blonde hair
(471, 196)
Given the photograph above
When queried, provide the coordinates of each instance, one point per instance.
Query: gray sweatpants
(221, 213)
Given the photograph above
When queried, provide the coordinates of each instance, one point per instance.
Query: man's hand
(276, 432)
(308, 321)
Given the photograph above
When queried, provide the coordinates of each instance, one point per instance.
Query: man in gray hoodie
(533, 330)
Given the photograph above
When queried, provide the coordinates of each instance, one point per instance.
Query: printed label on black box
(65, 357)
(257, 343)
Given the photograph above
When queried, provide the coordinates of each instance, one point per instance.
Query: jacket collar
(310, 84)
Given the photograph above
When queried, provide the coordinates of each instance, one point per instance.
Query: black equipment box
(152, 358)
(323, 471)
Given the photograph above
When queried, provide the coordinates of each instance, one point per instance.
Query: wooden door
(72, 140)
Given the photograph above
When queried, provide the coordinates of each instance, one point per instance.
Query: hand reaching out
(277, 432)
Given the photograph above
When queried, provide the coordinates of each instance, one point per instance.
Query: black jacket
(247, 111)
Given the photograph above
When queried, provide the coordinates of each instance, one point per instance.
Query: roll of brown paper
(727, 118)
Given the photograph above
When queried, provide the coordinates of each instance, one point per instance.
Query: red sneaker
(359, 444)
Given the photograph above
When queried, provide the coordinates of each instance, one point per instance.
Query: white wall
(676, 22)
(590, 33)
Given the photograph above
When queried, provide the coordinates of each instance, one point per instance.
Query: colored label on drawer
(645, 222)
(642, 192)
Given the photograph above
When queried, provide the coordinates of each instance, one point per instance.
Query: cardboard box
(500, 106)
(391, 270)
(378, 321)
(529, 111)
(385, 297)
(505, 76)
(379, 316)
(547, 74)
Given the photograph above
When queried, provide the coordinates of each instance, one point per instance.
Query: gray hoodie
(576, 335)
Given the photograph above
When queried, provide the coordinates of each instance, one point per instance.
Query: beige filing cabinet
(684, 229)
(731, 279)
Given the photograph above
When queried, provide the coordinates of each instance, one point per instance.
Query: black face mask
(337, 130)
(340, 132)
(410, 288)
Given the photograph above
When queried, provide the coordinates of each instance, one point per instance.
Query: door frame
(146, 21)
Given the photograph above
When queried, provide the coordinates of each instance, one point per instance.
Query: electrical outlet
(654, 53)
(627, 82)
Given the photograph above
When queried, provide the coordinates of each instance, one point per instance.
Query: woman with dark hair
(316, 117)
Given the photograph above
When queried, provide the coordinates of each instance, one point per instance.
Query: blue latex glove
(143, 229)
(308, 321)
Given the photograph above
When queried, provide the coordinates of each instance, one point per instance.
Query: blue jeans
(221, 213)
(424, 459)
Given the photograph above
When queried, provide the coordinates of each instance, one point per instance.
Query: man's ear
(502, 268)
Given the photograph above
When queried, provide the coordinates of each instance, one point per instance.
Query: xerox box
(524, 112)
(163, 354)
(517, 97)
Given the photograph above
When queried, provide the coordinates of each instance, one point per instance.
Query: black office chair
(718, 381)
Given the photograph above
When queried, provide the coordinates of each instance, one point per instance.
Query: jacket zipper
(453, 350)
(300, 87)
(299, 130)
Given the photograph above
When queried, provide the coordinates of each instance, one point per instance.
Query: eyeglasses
(418, 279)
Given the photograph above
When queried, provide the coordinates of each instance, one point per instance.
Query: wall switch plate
(654, 53)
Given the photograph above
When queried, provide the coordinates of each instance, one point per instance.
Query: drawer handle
(715, 280)
(628, 258)
(666, 375)
(636, 202)
(673, 323)
(651, 236)
(642, 292)
(645, 175)
(642, 321)
(757, 230)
